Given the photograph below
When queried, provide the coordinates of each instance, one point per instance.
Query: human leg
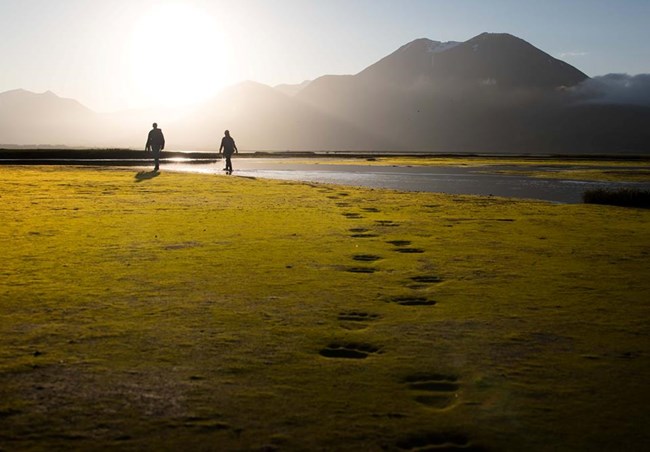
(156, 156)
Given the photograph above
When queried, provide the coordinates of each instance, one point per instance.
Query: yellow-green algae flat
(205, 312)
(571, 168)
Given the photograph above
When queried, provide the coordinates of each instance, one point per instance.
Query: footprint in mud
(361, 232)
(358, 230)
(436, 391)
(357, 316)
(366, 257)
(352, 215)
(356, 320)
(361, 270)
(344, 194)
(427, 279)
(438, 442)
(412, 301)
(371, 209)
(205, 424)
(360, 235)
(399, 242)
(342, 204)
(409, 250)
(386, 223)
(348, 350)
(333, 197)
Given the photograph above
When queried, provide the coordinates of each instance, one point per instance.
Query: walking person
(229, 147)
(155, 143)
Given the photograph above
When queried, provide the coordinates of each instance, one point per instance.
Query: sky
(125, 54)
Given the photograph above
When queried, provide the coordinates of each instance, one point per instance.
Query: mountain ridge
(493, 92)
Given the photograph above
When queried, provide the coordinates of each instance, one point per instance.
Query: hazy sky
(117, 54)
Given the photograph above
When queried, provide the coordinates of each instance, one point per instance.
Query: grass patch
(196, 311)
(625, 197)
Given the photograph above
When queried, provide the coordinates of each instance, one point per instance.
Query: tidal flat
(166, 311)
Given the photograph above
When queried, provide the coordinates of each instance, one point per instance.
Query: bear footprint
(356, 320)
(435, 391)
(399, 242)
(438, 442)
(348, 350)
(413, 301)
(366, 257)
(357, 316)
(428, 279)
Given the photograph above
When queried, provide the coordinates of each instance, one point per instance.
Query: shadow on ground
(146, 175)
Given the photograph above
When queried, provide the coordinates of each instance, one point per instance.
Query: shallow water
(452, 180)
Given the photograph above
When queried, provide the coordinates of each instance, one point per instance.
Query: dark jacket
(228, 145)
(155, 138)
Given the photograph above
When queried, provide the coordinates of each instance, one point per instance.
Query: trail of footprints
(437, 392)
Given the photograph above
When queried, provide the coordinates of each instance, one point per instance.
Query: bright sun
(178, 56)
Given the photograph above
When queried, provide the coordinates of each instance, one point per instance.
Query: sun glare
(179, 56)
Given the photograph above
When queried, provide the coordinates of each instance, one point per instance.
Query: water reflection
(452, 180)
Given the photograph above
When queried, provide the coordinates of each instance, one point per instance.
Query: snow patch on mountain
(438, 47)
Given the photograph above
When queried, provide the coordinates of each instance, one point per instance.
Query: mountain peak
(495, 59)
(428, 46)
(507, 60)
(409, 62)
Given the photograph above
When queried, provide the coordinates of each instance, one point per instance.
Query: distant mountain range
(492, 93)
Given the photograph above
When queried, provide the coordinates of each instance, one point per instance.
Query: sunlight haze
(118, 54)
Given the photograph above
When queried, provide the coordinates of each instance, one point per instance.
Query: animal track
(361, 269)
(358, 230)
(429, 279)
(366, 257)
(355, 320)
(409, 250)
(352, 215)
(387, 223)
(357, 316)
(413, 301)
(363, 235)
(435, 390)
(349, 350)
(399, 242)
(371, 209)
(438, 442)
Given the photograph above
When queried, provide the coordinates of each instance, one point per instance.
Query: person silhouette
(229, 147)
(155, 143)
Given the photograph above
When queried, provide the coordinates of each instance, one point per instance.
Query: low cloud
(616, 89)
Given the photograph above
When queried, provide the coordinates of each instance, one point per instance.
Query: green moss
(622, 170)
(193, 311)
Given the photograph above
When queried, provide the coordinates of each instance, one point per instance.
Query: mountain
(292, 90)
(489, 58)
(263, 118)
(30, 118)
(492, 93)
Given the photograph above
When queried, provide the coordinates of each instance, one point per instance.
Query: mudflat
(166, 311)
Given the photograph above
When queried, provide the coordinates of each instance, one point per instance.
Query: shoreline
(130, 156)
